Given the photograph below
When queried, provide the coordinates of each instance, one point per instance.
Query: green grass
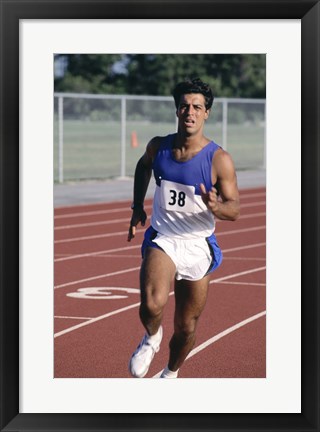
(92, 149)
(245, 143)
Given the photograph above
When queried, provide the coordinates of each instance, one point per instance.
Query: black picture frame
(11, 12)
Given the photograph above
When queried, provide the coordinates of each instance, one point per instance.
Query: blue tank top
(191, 172)
(178, 209)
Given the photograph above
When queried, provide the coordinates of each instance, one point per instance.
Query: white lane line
(117, 311)
(94, 320)
(127, 219)
(239, 231)
(114, 234)
(119, 209)
(138, 268)
(138, 231)
(219, 336)
(97, 212)
(254, 204)
(88, 254)
(97, 277)
(117, 256)
(249, 216)
(242, 283)
(99, 318)
(91, 224)
(127, 248)
(244, 247)
(237, 274)
(233, 258)
(72, 317)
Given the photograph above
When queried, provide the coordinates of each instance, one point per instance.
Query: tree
(89, 73)
(230, 75)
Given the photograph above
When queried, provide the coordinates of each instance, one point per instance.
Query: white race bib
(177, 197)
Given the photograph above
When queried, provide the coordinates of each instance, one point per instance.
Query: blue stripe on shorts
(215, 250)
(149, 236)
(216, 253)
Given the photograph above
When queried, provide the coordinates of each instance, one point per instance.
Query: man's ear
(206, 114)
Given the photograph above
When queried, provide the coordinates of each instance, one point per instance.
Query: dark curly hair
(194, 85)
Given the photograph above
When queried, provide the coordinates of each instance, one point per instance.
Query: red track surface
(95, 333)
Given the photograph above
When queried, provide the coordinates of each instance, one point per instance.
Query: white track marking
(97, 212)
(138, 268)
(119, 209)
(91, 224)
(107, 251)
(220, 336)
(73, 317)
(138, 231)
(244, 247)
(240, 231)
(137, 256)
(234, 258)
(117, 311)
(94, 320)
(127, 248)
(254, 204)
(99, 318)
(114, 221)
(114, 234)
(252, 215)
(225, 333)
(97, 277)
(237, 274)
(242, 283)
(102, 293)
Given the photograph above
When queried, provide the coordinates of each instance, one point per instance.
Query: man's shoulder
(220, 154)
(157, 141)
(160, 139)
(222, 160)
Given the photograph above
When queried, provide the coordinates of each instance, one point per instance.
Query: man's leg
(191, 298)
(157, 272)
(156, 275)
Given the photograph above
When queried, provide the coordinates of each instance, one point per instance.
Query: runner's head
(194, 85)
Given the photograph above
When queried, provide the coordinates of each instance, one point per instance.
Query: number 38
(176, 197)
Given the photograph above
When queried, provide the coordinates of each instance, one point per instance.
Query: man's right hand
(138, 216)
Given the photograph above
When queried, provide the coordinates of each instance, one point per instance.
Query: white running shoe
(142, 357)
(167, 373)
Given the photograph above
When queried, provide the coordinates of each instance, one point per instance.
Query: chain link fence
(103, 136)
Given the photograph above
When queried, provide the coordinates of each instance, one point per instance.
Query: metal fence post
(224, 123)
(229, 119)
(60, 152)
(123, 137)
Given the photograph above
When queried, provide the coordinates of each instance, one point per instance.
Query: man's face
(192, 113)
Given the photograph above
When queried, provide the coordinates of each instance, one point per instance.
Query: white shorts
(193, 258)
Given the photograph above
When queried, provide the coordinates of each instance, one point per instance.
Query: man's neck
(190, 141)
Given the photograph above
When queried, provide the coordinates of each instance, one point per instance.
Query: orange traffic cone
(134, 140)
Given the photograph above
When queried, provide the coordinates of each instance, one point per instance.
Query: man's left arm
(226, 204)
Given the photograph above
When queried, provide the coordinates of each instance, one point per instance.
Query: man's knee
(185, 331)
(153, 303)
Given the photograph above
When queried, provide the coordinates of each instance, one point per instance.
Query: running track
(96, 296)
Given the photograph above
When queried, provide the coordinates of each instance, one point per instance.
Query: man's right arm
(141, 182)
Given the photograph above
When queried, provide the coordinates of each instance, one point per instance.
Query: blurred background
(107, 108)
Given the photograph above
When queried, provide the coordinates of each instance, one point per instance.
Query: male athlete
(195, 183)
